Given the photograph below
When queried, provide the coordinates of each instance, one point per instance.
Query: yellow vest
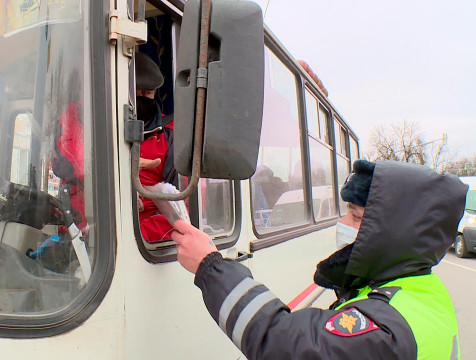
(425, 304)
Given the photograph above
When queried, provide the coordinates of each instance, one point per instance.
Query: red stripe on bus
(298, 299)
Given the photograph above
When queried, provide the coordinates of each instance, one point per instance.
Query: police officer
(401, 220)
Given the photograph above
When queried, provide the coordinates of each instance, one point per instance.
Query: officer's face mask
(345, 235)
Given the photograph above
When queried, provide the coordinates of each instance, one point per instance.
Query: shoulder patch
(350, 322)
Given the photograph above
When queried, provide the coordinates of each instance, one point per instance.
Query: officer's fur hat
(148, 75)
(357, 186)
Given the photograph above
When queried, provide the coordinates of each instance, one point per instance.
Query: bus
(84, 283)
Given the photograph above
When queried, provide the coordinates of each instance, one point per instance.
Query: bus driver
(402, 219)
(156, 151)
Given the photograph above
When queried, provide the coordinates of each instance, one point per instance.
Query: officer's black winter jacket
(410, 221)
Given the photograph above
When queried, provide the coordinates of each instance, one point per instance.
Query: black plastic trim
(90, 299)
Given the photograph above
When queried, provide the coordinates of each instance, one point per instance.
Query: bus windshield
(46, 213)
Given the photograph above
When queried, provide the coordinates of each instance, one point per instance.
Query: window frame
(74, 314)
(166, 251)
(282, 232)
(303, 80)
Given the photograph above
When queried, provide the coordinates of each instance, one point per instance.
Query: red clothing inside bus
(154, 226)
(68, 162)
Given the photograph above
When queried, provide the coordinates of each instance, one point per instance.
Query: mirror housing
(235, 86)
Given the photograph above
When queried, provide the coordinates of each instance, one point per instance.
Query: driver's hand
(193, 245)
(149, 163)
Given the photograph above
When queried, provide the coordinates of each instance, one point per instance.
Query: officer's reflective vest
(425, 304)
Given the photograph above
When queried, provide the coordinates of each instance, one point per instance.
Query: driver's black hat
(148, 75)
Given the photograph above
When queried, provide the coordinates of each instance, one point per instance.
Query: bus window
(322, 179)
(277, 186)
(324, 124)
(212, 208)
(217, 199)
(343, 142)
(311, 115)
(153, 60)
(48, 238)
(343, 161)
(338, 139)
(354, 149)
(21, 152)
(343, 170)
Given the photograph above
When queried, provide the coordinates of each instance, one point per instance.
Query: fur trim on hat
(356, 188)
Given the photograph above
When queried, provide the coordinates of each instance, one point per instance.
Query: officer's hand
(140, 204)
(193, 245)
(148, 163)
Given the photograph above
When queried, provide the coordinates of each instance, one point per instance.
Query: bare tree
(440, 156)
(401, 142)
(405, 142)
(463, 166)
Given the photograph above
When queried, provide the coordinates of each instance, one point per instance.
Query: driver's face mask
(146, 109)
(345, 235)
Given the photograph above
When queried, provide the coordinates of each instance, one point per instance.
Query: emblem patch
(350, 322)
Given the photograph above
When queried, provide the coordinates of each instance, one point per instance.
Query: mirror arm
(199, 120)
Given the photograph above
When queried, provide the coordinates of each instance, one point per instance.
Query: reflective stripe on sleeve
(233, 297)
(247, 315)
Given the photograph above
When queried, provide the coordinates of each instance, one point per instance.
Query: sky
(388, 61)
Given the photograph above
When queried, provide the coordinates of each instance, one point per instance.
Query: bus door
(53, 265)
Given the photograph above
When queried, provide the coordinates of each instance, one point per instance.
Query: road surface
(459, 276)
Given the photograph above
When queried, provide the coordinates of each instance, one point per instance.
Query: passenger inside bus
(156, 151)
(271, 186)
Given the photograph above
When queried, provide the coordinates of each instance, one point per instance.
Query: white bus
(77, 279)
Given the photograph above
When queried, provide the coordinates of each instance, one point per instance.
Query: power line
(266, 10)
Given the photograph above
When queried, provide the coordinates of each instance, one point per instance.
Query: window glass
(343, 170)
(276, 188)
(337, 136)
(158, 50)
(217, 203)
(354, 149)
(20, 169)
(324, 124)
(46, 132)
(311, 114)
(323, 197)
(343, 142)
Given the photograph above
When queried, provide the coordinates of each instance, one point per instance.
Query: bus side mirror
(234, 86)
